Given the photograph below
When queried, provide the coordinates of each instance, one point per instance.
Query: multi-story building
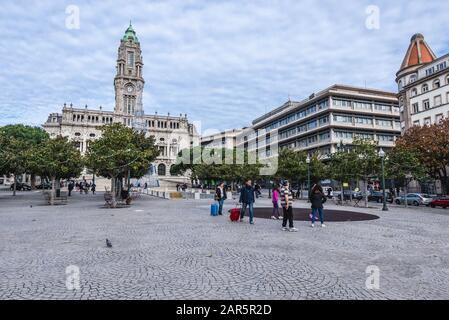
(423, 84)
(326, 121)
(225, 139)
(82, 125)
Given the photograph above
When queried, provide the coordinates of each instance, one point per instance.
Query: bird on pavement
(108, 243)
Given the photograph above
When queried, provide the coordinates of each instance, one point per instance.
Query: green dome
(130, 34)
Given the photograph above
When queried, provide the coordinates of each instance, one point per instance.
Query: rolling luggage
(234, 214)
(214, 209)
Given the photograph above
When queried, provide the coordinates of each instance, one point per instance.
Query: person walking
(247, 199)
(317, 199)
(275, 200)
(220, 196)
(93, 186)
(287, 208)
(257, 190)
(70, 187)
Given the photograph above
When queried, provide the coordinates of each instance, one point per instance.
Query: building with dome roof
(82, 124)
(423, 85)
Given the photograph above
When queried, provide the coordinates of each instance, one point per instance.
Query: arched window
(414, 92)
(447, 80)
(161, 169)
(436, 84)
(425, 87)
(413, 78)
(92, 135)
(77, 134)
(400, 85)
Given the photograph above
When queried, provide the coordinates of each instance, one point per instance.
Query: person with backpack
(275, 201)
(317, 198)
(220, 196)
(287, 208)
(247, 197)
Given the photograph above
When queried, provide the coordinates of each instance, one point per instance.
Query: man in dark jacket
(317, 198)
(247, 200)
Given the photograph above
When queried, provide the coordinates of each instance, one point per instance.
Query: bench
(62, 199)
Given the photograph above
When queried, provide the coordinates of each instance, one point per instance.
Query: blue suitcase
(214, 209)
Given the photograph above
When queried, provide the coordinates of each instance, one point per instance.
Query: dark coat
(317, 199)
(247, 195)
(218, 194)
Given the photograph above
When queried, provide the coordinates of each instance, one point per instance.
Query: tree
(403, 165)
(367, 162)
(291, 165)
(430, 144)
(57, 159)
(120, 150)
(16, 142)
(341, 167)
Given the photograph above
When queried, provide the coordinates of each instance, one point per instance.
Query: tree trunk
(113, 185)
(342, 196)
(366, 192)
(53, 190)
(33, 181)
(406, 192)
(14, 186)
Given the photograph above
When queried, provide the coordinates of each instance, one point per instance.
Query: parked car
(21, 186)
(415, 199)
(440, 202)
(347, 195)
(44, 186)
(378, 196)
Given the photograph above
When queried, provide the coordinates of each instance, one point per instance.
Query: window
(447, 80)
(427, 121)
(92, 135)
(385, 137)
(345, 119)
(383, 107)
(416, 123)
(323, 120)
(363, 120)
(130, 59)
(342, 103)
(415, 108)
(413, 78)
(425, 88)
(362, 105)
(414, 92)
(384, 123)
(438, 118)
(363, 135)
(436, 84)
(400, 85)
(161, 169)
(343, 134)
(323, 104)
(437, 101)
(430, 71)
(426, 104)
(441, 66)
(77, 134)
(324, 136)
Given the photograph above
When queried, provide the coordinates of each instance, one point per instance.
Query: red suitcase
(235, 214)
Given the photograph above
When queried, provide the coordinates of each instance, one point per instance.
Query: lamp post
(382, 157)
(308, 177)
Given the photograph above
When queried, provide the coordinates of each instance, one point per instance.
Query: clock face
(129, 89)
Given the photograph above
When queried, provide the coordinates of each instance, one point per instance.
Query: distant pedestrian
(70, 187)
(329, 192)
(145, 186)
(93, 186)
(257, 190)
(220, 196)
(275, 201)
(317, 199)
(287, 208)
(247, 199)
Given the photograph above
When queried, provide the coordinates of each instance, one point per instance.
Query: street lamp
(308, 177)
(382, 156)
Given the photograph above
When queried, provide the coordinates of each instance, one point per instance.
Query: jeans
(251, 211)
(276, 210)
(321, 213)
(288, 215)
(220, 206)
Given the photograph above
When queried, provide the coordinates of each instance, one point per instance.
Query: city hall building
(423, 84)
(326, 122)
(82, 125)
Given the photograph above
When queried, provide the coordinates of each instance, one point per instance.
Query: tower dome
(130, 34)
(418, 52)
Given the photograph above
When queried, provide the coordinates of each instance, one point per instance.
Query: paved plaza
(173, 249)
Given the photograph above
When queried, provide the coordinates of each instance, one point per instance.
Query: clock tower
(128, 81)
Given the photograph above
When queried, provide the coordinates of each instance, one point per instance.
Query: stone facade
(82, 125)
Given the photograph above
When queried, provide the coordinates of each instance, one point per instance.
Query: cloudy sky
(223, 63)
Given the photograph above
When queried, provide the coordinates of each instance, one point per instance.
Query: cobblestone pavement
(175, 250)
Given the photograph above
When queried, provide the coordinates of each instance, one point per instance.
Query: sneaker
(273, 217)
(284, 229)
(241, 219)
(292, 229)
(323, 225)
(251, 222)
(280, 218)
(312, 225)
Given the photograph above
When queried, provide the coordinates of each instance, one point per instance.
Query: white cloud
(222, 62)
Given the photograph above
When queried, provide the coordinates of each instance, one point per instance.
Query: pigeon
(108, 243)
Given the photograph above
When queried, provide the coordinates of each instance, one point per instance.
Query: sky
(223, 63)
